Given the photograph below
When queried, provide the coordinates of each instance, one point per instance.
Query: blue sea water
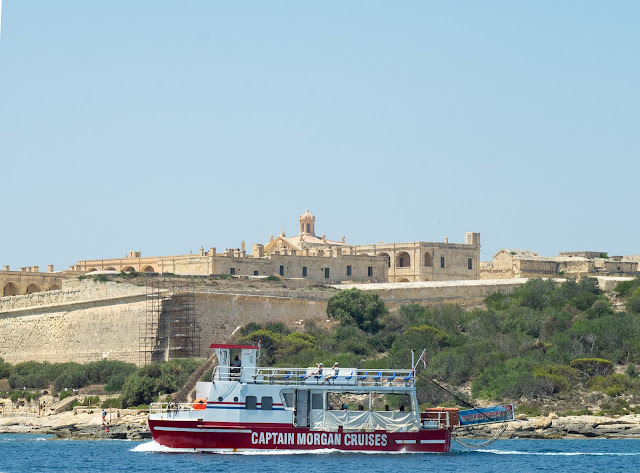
(33, 453)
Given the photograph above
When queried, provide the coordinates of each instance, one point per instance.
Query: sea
(36, 453)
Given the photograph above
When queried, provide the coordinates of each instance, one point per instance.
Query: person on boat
(317, 372)
(236, 365)
(344, 407)
(335, 369)
(401, 407)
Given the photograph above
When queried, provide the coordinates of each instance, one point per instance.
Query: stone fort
(71, 316)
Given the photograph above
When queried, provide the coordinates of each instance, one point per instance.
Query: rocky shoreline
(554, 427)
(81, 426)
(133, 426)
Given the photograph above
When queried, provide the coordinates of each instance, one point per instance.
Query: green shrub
(362, 308)
(65, 394)
(224, 276)
(5, 369)
(626, 288)
(592, 366)
(272, 277)
(101, 278)
(113, 403)
(633, 303)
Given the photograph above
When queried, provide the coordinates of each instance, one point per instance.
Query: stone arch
(92, 270)
(128, 269)
(148, 269)
(10, 289)
(403, 260)
(33, 287)
(386, 255)
(54, 287)
(403, 280)
(110, 268)
(428, 259)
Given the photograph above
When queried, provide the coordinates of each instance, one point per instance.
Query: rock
(522, 417)
(542, 423)
(553, 415)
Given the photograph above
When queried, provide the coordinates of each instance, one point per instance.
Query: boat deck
(311, 376)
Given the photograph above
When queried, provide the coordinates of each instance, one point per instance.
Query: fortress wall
(220, 314)
(73, 291)
(83, 333)
(102, 319)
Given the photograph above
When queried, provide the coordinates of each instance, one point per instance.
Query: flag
(423, 357)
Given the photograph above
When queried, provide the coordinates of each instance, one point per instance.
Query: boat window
(287, 398)
(391, 402)
(346, 401)
(266, 403)
(316, 401)
(250, 402)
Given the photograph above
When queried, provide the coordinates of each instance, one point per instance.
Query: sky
(164, 126)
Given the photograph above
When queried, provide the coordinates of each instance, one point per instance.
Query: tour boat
(249, 408)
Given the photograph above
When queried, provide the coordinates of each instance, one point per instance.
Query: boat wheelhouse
(247, 407)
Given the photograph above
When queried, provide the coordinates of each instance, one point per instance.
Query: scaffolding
(170, 328)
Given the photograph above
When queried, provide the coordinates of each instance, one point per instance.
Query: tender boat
(249, 408)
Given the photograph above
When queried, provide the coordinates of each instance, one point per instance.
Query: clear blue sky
(161, 126)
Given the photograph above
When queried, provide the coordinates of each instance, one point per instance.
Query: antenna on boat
(259, 347)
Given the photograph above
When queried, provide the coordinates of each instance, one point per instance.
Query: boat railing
(169, 408)
(328, 376)
(435, 419)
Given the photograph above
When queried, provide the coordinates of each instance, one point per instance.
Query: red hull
(225, 437)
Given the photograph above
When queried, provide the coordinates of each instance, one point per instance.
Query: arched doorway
(92, 270)
(54, 287)
(33, 287)
(428, 259)
(386, 255)
(110, 268)
(403, 260)
(403, 280)
(148, 269)
(10, 289)
(129, 269)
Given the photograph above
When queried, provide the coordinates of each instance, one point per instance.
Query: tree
(362, 308)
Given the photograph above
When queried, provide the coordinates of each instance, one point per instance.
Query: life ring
(199, 404)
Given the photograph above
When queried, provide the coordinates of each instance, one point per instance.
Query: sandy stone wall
(88, 320)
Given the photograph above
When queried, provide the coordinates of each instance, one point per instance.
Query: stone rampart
(88, 321)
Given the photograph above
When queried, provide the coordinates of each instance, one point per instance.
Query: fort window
(304, 271)
(348, 270)
(403, 260)
(388, 258)
(255, 273)
(469, 263)
(370, 271)
(232, 271)
(326, 273)
(281, 270)
(250, 402)
(428, 259)
(442, 261)
(10, 289)
(31, 288)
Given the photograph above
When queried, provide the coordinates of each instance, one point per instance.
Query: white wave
(561, 454)
(153, 447)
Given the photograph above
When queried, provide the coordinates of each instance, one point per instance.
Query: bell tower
(307, 224)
